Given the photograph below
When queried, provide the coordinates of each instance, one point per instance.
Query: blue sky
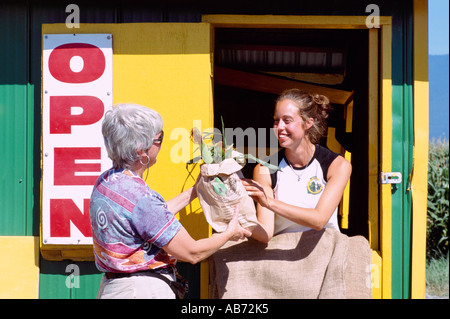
(438, 26)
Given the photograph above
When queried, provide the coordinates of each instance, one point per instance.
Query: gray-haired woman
(137, 239)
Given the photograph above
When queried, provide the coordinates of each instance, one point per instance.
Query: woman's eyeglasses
(159, 140)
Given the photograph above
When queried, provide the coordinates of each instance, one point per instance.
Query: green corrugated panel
(402, 147)
(80, 280)
(68, 280)
(16, 119)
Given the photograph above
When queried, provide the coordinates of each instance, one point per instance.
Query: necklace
(303, 169)
(298, 176)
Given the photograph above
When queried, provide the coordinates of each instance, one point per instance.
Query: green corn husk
(221, 151)
(269, 166)
(206, 154)
(218, 153)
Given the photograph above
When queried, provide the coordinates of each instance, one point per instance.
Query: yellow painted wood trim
(270, 21)
(376, 271)
(345, 203)
(419, 179)
(63, 252)
(386, 159)
(373, 208)
(19, 267)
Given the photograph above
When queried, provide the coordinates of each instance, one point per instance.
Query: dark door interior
(253, 66)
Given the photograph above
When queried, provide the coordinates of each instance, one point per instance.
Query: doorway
(252, 66)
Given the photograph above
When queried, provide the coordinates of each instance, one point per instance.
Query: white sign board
(77, 91)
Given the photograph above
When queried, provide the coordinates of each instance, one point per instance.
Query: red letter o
(93, 59)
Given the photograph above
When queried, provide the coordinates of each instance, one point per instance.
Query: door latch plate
(390, 178)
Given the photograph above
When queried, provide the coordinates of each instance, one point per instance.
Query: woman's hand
(180, 201)
(183, 247)
(256, 191)
(234, 229)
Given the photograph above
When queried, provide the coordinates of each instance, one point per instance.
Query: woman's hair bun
(323, 102)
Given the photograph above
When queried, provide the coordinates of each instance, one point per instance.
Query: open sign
(77, 91)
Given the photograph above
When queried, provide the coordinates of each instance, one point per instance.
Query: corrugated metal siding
(68, 280)
(15, 102)
(56, 281)
(402, 149)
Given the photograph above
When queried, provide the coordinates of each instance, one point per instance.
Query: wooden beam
(284, 21)
(275, 85)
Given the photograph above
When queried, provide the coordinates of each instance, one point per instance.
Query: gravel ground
(428, 296)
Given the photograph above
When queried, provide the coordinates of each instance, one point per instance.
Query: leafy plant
(219, 151)
(438, 199)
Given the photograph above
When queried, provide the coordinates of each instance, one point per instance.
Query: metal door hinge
(390, 178)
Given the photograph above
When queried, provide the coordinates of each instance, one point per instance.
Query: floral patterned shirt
(130, 224)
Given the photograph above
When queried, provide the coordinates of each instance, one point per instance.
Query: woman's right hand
(234, 229)
(184, 247)
(256, 191)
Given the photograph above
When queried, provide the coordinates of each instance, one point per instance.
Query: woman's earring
(144, 164)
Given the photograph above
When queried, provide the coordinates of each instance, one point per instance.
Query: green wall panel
(80, 280)
(16, 123)
(68, 280)
(402, 148)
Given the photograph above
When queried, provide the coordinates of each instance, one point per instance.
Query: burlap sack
(220, 190)
(304, 265)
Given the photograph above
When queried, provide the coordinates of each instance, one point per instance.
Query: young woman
(306, 192)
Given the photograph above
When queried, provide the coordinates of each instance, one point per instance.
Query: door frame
(380, 126)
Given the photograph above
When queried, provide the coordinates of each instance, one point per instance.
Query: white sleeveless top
(302, 187)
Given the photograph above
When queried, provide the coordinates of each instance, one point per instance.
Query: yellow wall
(19, 267)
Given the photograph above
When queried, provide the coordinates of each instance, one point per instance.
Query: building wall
(20, 117)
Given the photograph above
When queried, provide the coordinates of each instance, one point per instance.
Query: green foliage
(220, 151)
(437, 276)
(438, 199)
